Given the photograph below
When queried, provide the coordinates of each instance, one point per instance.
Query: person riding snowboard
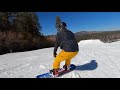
(65, 39)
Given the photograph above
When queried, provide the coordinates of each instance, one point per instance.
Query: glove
(55, 55)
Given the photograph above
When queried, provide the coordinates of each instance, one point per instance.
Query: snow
(94, 60)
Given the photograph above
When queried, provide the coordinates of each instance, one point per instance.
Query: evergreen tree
(4, 21)
(58, 21)
(27, 22)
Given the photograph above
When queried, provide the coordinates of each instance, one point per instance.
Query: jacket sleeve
(57, 43)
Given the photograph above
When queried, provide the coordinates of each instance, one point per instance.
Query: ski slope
(94, 60)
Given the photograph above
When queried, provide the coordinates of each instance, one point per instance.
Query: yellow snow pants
(67, 56)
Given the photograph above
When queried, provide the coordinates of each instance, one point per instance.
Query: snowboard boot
(66, 67)
(55, 72)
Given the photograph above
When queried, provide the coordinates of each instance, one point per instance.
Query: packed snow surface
(94, 60)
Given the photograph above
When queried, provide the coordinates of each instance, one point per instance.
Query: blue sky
(80, 21)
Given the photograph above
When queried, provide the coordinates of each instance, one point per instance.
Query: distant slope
(104, 36)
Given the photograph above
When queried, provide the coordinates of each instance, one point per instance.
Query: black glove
(55, 55)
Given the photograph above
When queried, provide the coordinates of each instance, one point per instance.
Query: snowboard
(61, 72)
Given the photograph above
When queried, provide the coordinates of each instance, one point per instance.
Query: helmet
(62, 24)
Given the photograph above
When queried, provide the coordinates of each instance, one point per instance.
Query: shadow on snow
(88, 66)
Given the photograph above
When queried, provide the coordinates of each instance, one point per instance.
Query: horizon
(80, 21)
(87, 31)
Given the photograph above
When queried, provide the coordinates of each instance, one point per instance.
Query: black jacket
(66, 40)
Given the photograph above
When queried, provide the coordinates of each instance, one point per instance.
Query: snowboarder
(65, 39)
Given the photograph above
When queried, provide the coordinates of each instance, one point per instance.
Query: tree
(35, 25)
(4, 21)
(58, 21)
(27, 22)
(7, 20)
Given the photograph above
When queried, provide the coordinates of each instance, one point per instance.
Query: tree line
(20, 22)
(21, 31)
